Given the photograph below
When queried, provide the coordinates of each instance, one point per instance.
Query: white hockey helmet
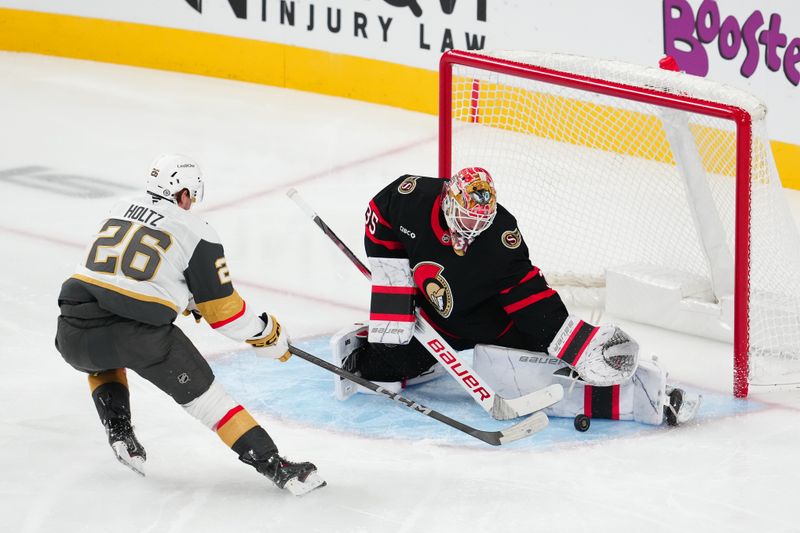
(469, 202)
(170, 174)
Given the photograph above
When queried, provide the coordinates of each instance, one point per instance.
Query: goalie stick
(498, 407)
(532, 424)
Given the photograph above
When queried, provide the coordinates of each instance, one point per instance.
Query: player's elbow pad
(391, 310)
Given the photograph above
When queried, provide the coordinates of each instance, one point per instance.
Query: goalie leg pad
(346, 341)
(602, 356)
(512, 372)
(343, 343)
(649, 385)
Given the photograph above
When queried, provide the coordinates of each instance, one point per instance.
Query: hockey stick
(533, 424)
(500, 408)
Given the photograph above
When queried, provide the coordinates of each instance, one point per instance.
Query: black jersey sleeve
(535, 308)
(380, 237)
(210, 283)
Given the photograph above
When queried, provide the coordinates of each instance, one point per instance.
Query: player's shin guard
(232, 423)
(239, 430)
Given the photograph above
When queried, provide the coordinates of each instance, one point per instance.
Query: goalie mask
(170, 174)
(470, 204)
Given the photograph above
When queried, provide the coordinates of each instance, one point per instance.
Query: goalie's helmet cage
(170, 174)
(469, 202)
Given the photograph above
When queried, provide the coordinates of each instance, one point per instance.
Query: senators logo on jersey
(428, 277)
(407, 186)
(511, 239)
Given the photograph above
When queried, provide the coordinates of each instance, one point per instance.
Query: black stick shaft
(489, 437)
(342, 246)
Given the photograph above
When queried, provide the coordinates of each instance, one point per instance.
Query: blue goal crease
(300, 391)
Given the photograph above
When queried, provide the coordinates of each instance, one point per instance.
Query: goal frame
(744, 133)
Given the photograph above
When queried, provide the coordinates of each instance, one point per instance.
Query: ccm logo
(450, 360)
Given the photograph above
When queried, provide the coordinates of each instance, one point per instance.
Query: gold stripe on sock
(235, 427)
(117, 375)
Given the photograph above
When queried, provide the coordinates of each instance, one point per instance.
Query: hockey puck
(582, 423)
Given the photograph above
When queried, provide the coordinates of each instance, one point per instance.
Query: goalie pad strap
(601, 402)
(576, 344)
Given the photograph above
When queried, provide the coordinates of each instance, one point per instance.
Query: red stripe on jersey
(378, 214)
(508, 327)
(228, 416)
(385, 289)
(529, 276)
(615, 402)
(221, 323)
(585, 344)
(587, 400)
(530, 300)
(434, 326)
(391, 317)
(389, 245)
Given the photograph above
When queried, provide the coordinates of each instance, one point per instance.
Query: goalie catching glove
(602, 356)
(273, 341)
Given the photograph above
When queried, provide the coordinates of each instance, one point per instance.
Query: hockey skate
(680, 406)
(297, 478)
(126, 446)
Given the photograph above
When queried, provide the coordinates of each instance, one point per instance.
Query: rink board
(301, 392)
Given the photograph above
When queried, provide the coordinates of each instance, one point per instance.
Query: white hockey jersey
(150, 260)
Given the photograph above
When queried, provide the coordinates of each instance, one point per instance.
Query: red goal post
(494, 111)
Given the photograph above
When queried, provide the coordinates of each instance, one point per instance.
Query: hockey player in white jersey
(150, 260)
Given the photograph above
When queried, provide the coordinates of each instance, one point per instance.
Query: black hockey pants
(93, 340)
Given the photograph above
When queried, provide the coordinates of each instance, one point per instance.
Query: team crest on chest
(511, 239)
(407, 185)
(428, 278)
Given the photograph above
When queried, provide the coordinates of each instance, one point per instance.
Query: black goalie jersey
(490, 295)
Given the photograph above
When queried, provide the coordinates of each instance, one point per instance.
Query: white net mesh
(594, 183)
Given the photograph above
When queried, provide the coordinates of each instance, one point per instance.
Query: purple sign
(689, 37)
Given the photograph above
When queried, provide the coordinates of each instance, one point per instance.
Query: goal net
(654, 190)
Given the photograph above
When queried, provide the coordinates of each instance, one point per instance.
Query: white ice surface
(57, 474)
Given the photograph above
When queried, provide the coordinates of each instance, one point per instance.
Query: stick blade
(503, 409)
(533, 424)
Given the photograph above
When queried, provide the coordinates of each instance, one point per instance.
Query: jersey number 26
(138, 257)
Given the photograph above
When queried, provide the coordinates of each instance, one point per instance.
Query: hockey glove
(191, 309)
(196, 314)
(602, 356)
(273, 340)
